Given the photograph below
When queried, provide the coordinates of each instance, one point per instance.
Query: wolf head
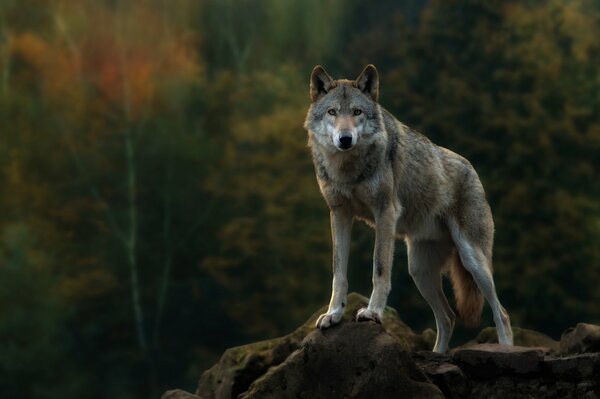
(343, 113)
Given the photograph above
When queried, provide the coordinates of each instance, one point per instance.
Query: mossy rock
(583, 338)
(240, 366)
(353, 361)
(521, 337)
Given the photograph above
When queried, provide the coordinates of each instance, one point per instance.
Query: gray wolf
(371, 167)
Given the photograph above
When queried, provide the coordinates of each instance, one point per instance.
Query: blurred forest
(159, 203)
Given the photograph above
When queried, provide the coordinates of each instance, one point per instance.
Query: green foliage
(32, 324)
(159, 202)
(514, 92)
(277, 224)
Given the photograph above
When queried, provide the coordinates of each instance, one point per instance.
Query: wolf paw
(327, 320)
(365, 314)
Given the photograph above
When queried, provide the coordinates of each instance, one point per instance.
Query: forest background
(158, 201)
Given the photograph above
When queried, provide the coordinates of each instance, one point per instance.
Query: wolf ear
(368, 82)
(320, 82)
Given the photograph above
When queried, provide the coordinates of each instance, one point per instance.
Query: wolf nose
(346, 142)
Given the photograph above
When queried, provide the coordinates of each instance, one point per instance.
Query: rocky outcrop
(521, 337)
(487, 361)
(354, 360)
(179, 394)
(583, 338)
(497, 371)
(240, 366)
(368, 360)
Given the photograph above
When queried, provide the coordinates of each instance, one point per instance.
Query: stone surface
(506, 387)
(179, 394)
(486, 361)
(368, 360)
(521, 337)
(583, 338)
(575, 367)
(353, 360)
(448, 377)
(240, 366)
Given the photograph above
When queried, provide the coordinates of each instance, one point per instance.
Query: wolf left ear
(368, 82)
(320, 82)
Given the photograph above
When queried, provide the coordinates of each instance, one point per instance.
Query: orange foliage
(88, 285)
(125, 59)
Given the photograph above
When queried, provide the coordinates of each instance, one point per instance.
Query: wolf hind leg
(426, 260)
(474, 260)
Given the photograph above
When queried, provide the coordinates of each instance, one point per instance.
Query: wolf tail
(469, 300)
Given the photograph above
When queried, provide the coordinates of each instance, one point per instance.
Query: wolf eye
(332, 112)
(357, 111)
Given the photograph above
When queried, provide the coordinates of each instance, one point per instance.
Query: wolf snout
(345, 142)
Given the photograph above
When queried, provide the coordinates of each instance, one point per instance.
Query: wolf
(371, 167)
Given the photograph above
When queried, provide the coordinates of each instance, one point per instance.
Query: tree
(510, 87)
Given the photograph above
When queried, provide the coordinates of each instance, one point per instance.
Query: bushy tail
(469, 300)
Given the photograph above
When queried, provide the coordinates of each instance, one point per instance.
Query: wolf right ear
(368, 82)
(320, 82)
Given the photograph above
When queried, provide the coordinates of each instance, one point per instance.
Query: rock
(487, 361)
(515, 388)
(521, 337)
(506, 387)
(240, 366)
(575, 367)
(352, 360)
(368, 360)
(448, 377)
(409, 340)
(583, 338)
(179, 394)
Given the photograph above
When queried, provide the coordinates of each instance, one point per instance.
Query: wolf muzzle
(345, 140)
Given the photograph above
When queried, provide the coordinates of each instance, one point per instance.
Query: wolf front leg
(341, 227)
(383, 254)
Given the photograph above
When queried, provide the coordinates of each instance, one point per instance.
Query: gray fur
(404, 186)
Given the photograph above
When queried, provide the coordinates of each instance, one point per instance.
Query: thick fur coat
(371, 167)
